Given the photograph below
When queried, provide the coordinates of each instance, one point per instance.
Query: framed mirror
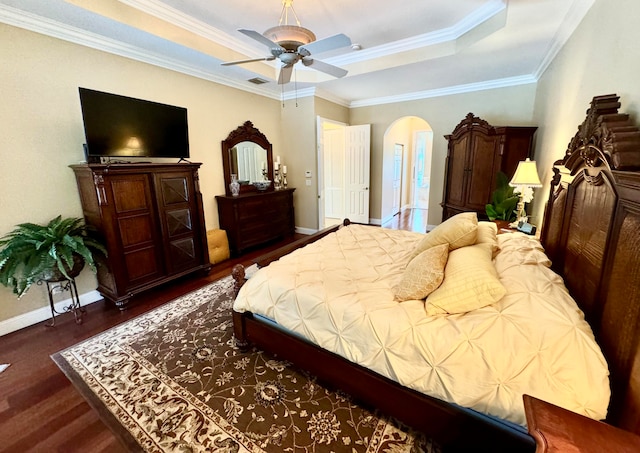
(246, 153)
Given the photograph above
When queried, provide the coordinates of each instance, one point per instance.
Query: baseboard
(377, 222)
(44, 313)
(306, 231)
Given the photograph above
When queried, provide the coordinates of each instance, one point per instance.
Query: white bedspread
(337, 293)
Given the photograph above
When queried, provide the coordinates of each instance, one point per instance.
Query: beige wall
(298, 154)
(299, 151)
(511, 106)
(43, 131)
(601, 57)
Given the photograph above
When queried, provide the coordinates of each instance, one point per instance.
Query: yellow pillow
(470, 282)
(457, 231)
(487, 234)
(423, 274)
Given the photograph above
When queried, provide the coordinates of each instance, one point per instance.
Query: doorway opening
(344, 154)
(406, 171)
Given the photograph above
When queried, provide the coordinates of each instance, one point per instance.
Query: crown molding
(448, 91)
(175, 17)
(315, 92)
(161, 11)
(571, 21)
(32, 22)
(468, 23)
(54, 29)
(320, 93)
(297, 94)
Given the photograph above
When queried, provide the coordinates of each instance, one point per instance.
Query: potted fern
(55, 251)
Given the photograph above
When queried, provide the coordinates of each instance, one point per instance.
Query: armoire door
(483, 154)
(456, 171)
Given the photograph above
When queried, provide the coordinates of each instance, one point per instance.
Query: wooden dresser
(151, 218)
(476, 153)
(255, 218)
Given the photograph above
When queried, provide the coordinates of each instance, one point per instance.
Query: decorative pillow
(470, 282)
(457, 231)
(423, 274)
(488, 234)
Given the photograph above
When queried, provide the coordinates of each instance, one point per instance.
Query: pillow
(457, 231)
(470, 282)
(487, 234)
(423, 274)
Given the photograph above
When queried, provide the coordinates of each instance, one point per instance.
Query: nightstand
(557, 430)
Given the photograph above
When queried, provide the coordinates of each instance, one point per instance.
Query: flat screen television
(121, 127)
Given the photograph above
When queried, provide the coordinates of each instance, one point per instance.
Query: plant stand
(61, 286)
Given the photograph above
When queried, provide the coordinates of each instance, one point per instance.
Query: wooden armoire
(150, 216)
(476, 153)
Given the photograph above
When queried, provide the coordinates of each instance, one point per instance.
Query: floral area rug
(173, 380)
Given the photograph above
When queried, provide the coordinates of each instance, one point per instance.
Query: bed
(590, 238)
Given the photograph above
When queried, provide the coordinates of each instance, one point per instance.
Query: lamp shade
(526, 175)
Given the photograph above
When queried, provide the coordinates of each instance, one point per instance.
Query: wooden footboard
(455, 428)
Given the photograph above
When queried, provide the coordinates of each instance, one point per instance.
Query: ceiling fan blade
(262, 39)
(229, 63)
(325, 44)
(285, 74)
(324, 67)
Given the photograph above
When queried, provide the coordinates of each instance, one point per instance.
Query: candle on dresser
(278, 160)
(284, 169)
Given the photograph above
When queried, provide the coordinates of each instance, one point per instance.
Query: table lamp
(524, 180)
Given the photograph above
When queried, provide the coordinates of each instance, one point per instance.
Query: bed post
(239, 278)
(239, 330)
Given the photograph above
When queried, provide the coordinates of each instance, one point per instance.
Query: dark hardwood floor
(409, 219)
(40, 410)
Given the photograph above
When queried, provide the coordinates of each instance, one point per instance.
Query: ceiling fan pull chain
(295, 84)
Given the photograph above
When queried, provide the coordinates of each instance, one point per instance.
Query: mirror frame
(245, 133)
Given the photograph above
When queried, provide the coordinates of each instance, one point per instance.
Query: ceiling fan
(293, 43)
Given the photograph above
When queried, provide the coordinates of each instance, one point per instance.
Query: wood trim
(557, 430)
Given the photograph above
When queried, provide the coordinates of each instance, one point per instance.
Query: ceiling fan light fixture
(290, 36)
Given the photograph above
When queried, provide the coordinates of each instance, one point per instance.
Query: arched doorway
(406, 170)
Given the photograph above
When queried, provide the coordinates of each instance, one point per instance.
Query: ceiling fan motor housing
(289, 57)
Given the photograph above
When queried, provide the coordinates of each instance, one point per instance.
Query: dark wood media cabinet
(151, 219)
(255, 218)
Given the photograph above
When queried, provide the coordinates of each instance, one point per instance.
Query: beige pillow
(487, 234)
(457, 231)
(470, 282)
(423, 274)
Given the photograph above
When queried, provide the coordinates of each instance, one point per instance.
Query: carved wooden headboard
(591, 232)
